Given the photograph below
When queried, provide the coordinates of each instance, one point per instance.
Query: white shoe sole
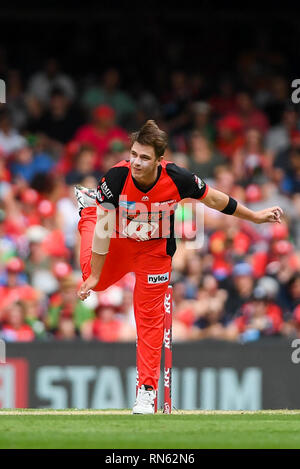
(141, 412)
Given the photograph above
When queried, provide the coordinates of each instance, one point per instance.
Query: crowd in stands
(232, 280)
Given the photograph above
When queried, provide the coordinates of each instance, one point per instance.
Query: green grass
(177, 431)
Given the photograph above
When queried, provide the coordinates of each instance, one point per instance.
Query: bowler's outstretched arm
(226, 204)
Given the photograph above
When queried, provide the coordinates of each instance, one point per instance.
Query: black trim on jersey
(114, 181)
(186, 182)
(152, 185)
(171, 241)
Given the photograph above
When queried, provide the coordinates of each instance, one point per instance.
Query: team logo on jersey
(145, 197)
(199, 182)
(158, 278)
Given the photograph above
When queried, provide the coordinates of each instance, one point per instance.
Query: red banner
(14, 384)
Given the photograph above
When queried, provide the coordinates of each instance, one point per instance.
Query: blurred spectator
(15, 328)
(35, 110)
(14, 272)
(283, 262)
(28, 207)
(41, 83)
(117, 151)
(290, 294)
(278, 137)
(46, 248)
(54, 245)
(202, 120)
(203, 157)
(295, 229)
(5, 176)
(47, 211)
(148, 107)
(61, 270)
(114, 314)
(230, 135)
(251, 117)
(85, 163)
(127, 313)
(66, 304)
(176, 104)
(37, 259)
(240, 289)
(10, 139)
(224, 179)
(61, 119)
(33, 309)
(259, 317)
(14, 286)
(107, 327)
(269, 195)
(223, 102)
(108, 93)
(8, 245)
(192, 276)
(67, 156)
(184, 312)
(181, 159)
(210, 310)
(290, 182)
(66, 329)
(278, 96)
(251, 163)
(68, 217)
(199, 86)
(291, 326)
(101, 132)
(15, 99)
(26, 164)
(225, 182)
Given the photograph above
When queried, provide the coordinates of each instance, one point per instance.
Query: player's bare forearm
(97, 262)
(220, 201)
(100, 247)
(268, 215)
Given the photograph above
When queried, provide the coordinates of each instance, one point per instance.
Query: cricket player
(127, 225)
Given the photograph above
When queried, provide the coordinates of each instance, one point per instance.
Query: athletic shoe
(144, 403)
(85, 197)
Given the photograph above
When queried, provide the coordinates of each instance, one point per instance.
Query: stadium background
(218, 80)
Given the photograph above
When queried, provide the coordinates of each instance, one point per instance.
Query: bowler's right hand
(86, 287)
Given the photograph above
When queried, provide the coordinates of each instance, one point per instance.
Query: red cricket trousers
(148, 260)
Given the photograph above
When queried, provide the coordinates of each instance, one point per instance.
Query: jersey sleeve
(188, 184)
(110, 187)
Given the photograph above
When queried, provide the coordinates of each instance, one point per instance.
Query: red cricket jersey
(146, 214)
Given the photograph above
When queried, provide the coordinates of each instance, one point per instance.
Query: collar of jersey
(152, 185)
